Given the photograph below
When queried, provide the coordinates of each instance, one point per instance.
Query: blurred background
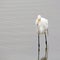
(18, 32)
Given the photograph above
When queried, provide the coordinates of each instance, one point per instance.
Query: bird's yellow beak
(38, 21)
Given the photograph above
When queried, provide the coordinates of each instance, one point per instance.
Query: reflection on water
(46, 54)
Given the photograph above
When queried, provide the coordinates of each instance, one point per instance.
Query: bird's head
(39, 17)
(38, 20)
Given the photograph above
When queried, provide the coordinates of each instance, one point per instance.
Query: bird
(42, 27)
(42, 24)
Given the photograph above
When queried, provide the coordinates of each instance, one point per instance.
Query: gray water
(18, 33)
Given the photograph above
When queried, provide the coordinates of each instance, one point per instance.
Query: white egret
(42, 26)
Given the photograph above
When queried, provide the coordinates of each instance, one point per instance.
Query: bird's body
(42, 24)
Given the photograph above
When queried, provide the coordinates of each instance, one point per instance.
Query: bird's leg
(46, 49)
(46, 53)
(46, 40)
(38, 46)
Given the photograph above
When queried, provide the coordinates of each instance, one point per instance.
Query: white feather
(42, 25)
